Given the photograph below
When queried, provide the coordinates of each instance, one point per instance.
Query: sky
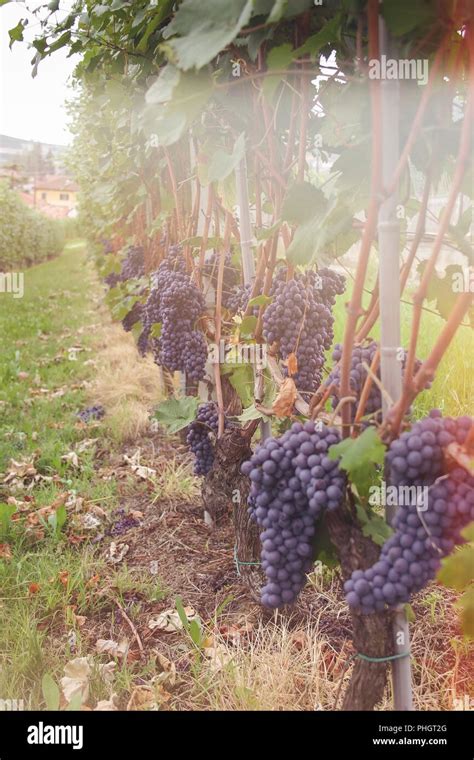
(32, 109)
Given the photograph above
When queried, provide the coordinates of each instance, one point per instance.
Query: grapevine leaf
(466, 603)
(248, 325)
(16, 34)
(457, 570)
(403, 16)
(205, 28)
(329, 33)
(260, 300)
(241, 379)
(373, 525)
(301, 202)
(176, 414)
(162, 89)
(223, 163)
(252, 413)
(277, 12)
(278, 58)
(359, 458)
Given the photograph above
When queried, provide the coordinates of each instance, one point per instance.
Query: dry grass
(298, 664)
(175, 481)
(126, 385)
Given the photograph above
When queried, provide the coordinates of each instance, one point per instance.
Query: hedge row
(26, 236)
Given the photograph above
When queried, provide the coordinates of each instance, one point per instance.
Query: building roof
(56, 182)
(27, 198)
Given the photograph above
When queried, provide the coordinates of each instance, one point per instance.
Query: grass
(46, 584)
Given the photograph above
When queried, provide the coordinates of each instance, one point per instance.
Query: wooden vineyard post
(390, 363)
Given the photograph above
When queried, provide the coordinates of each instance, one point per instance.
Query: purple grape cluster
(122, 522)
(236, 300)
(429, 526)
(112, 280)
(133, 266)
(300, 320)
(200, 437)
(91, 413)
(361, 354)
(293, 483)
(175, 303)
(231, 272)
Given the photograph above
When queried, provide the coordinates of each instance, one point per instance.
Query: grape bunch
(176, 303)
(200, 435)
(362, 354)
(300, 321)
(293, 483)
(133, 266)
(91, 413)
(439, 506)
(112, 280)
(231, 272)
(236, 300)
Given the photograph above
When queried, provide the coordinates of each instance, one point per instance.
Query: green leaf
(303, 200)
(278, 58)
(360, 457)
(222, 163)
(205, 28)
(248, 325)
(162, 89)
(374, 526)
(251, 413)
(241, 379)
(403, 16)
(277, 12)
(51, 692)
(16, 34)
(314, 44)
(176, 414)
(457, 570)
(260, 301)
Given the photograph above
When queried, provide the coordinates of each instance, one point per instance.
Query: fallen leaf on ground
(107, 705)
(168, 671)
(5, 551)
(33, 588)
(169, 620)
(107, 671)
(76, 677)
(117, 552)
(112, 648)
(147, 698)
(72, 458)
